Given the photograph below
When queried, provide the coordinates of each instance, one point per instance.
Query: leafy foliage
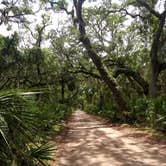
(122, 37)
(23, 127)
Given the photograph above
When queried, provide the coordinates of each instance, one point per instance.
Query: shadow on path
(89, 142)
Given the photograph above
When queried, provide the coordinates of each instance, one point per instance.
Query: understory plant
(143, 111)
(23, 126)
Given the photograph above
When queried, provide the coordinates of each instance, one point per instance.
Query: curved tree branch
(151, 10)
(135, 75)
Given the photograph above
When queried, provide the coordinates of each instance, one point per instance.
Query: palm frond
(18, 130)
(42, 153)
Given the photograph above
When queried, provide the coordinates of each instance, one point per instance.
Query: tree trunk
(121, 103)
(155, 65)
(153, 88)
(104, 75)
(62, 90)
(101, 100)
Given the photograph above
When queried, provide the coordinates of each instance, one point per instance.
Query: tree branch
(135, 75)
(94, 75)
(151, 10)
(126, 12)
(62, 7)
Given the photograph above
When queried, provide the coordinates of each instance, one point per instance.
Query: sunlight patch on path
(90, 142)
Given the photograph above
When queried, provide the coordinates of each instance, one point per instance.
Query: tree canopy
(105, 57)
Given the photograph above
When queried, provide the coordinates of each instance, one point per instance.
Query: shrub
(150, 112)
(91, 108)
(24, 125)
(19, 135)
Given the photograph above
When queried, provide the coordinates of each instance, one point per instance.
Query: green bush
(150, 112)
(91, 108)
(19, 135)
(138, 110)
(50, 114)
(108, 110)
(24, 127)
(156, 113)
(144, 111)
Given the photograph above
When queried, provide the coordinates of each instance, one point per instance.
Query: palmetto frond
(18, 142)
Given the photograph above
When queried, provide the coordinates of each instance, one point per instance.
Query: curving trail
(91, 142)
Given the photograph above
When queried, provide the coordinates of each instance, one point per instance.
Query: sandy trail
(91, 142)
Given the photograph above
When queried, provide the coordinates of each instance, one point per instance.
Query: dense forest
(107, 58)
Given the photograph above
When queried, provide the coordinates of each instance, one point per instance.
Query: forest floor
(90, 141)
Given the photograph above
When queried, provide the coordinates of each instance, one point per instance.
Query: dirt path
(90, 142)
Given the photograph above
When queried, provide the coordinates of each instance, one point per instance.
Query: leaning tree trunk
(121, 103)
